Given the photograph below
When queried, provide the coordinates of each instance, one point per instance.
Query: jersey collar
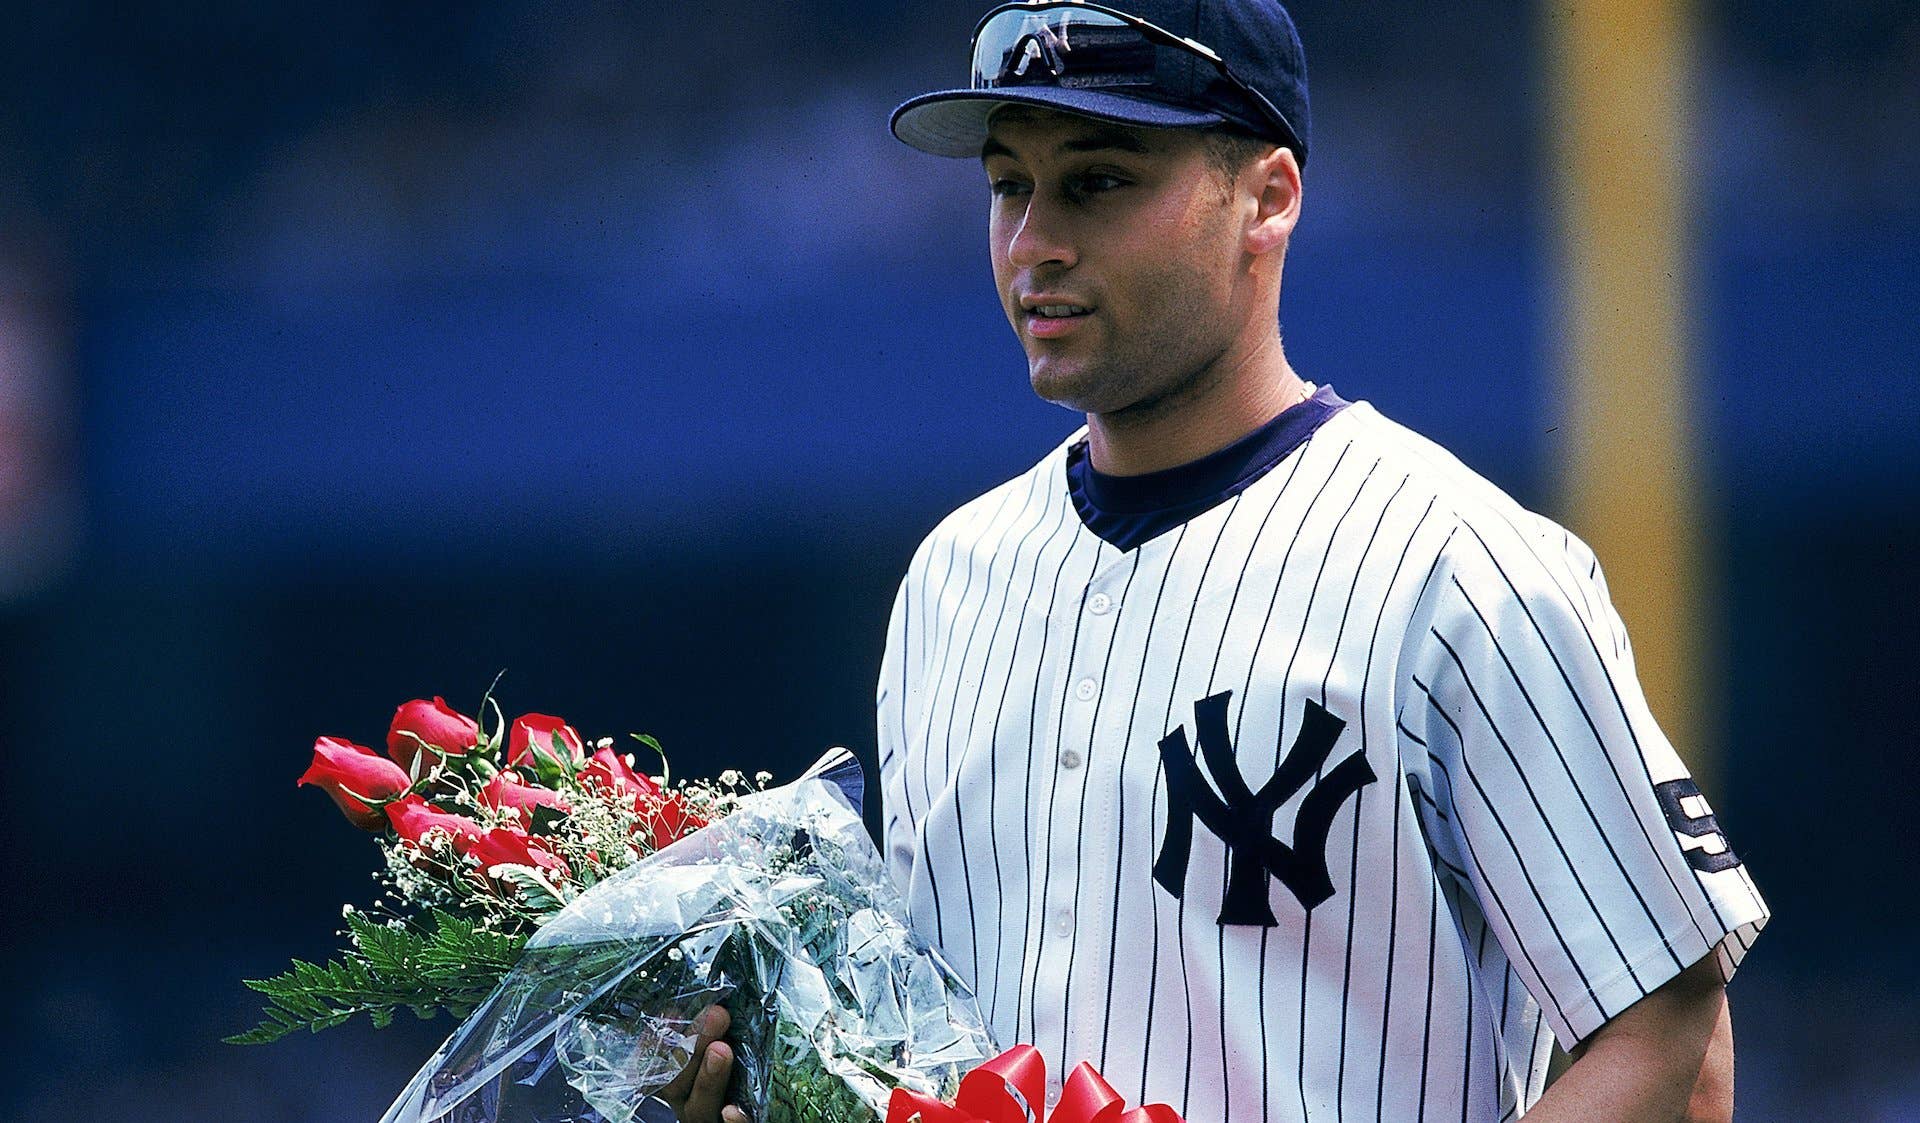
(1130, 510)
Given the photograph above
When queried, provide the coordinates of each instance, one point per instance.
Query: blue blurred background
(352, 353)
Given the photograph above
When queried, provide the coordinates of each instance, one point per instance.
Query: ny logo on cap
(1043, 46)
(1244, 819)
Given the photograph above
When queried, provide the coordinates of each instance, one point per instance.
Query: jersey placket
(1072, 847)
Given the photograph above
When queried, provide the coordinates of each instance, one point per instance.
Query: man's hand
(696, 1095)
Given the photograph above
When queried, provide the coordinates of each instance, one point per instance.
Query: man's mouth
(1051, 319)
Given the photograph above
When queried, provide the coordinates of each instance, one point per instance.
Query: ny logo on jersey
(1244, 819)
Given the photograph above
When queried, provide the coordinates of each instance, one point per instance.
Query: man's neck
(1212, 414)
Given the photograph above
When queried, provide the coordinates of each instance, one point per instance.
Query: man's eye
(1006, 186)
(1098, 182)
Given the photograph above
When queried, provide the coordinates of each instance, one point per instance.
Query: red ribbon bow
(987, 1096)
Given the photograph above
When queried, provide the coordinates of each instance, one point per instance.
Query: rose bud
(535, 733)
(669, 820)
(434, 723)
(610, 772)
(506, 794)
(414, 818)
(502, 846)
(352, 774)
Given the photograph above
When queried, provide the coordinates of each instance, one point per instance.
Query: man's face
(1131, 227)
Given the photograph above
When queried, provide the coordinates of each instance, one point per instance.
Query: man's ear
(1274, 182)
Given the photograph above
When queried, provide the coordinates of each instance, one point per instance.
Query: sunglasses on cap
(1076, 45)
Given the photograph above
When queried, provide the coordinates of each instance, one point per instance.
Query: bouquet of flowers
(579, 914)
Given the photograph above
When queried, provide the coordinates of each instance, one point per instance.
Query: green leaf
(491, 742)
(451, 966)
(666, 770)
(552, 762)
(545, 819)
(539, 895)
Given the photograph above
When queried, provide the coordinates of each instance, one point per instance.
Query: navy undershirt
(1130, 510)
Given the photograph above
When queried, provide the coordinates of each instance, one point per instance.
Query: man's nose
(1040, 238)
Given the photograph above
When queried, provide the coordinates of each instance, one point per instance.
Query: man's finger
(710, 1085)
(710, 1024)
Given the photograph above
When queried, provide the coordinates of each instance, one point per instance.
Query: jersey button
(1070, 759)
(1063, 923)
(1099, 604)
(1086, 690)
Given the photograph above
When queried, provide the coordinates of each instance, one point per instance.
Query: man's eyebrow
(1103, 139)
(1100, 140)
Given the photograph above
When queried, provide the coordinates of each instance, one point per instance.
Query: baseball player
(1250, 745)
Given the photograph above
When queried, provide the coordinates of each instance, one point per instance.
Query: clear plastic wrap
(784, 913)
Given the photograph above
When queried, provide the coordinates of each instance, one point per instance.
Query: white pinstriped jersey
(1327, 802)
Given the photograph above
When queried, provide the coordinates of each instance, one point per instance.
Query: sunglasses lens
(1062, 46)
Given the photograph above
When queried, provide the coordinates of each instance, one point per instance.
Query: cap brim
(954, 122)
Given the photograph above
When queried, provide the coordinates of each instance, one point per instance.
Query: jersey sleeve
(1553, 794)
(890, 697)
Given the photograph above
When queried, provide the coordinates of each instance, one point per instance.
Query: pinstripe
(1033, 730)
(1359, 803)
(1313, 593)
(1546, 729)
(1393, 896)
(1590, 600)
(1086, 772)
(1393, 947)
(926, 798)
(1466, 1063)
(1496, 1043)
(1543, 816)
(1280, 495)
(1120, 833)
(1245, 695)
(966, 742)
(1153, 812)
(953, 768)
(1660, 854)
(1052, 759)
(1432, 959)
(906, 642)
(993, 815)
(936, 603)
(926, 630)
(1488, 881)
(946, 649)
(1266, 628)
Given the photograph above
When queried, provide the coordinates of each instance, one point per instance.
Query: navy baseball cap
(1235, 64)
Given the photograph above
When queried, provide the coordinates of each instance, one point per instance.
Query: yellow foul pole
(1622, 101)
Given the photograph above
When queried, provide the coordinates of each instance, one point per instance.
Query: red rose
(502, 846)
(414, 818)
(353, 774)
(505, 793)
(535, 733)
(668, 820)
(434, 723)
(611, 772)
